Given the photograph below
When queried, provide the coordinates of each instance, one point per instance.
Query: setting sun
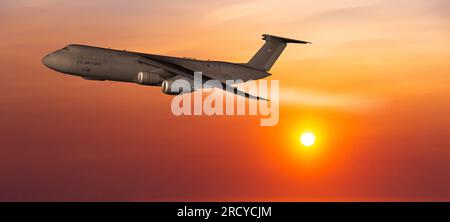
(307, 139)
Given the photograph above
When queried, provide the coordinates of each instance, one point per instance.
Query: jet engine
(176, 87)
(149, 78)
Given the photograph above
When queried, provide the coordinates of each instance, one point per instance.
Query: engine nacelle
(176, 87)
(149, 78)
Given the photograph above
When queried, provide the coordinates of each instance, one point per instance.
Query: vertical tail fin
(270, 51)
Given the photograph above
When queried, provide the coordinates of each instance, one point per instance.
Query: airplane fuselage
(94, 63)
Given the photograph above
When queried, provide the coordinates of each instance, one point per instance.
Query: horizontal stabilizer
(285, 40)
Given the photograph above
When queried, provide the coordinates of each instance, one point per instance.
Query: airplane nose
(48, 61)
(45, 60)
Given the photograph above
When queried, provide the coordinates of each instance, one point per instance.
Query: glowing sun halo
(307, 139)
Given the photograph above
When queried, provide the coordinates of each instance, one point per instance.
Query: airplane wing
(182, 71)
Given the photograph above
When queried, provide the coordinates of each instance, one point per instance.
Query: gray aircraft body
(95, 63)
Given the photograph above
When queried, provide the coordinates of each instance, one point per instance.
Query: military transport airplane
(95, 63)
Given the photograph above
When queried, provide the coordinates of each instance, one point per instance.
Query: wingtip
(249, 96)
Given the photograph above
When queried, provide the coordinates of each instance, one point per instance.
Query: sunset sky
(373, 87)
